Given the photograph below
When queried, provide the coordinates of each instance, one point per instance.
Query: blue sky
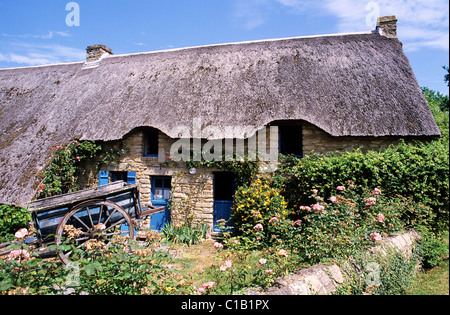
(35, 32)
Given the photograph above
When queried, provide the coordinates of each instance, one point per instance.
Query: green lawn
(432, 282)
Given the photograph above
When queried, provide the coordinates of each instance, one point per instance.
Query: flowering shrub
(333, 229)
(12, 219)
(352, 217)
(260, 215)
(418, 172)
(122, 267)
(61, 174)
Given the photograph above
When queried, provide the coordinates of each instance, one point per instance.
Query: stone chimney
(95, 54)
(387, 26)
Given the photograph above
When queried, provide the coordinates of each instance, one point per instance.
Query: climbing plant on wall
(61, 175)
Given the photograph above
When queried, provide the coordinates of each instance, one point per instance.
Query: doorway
(224, 189)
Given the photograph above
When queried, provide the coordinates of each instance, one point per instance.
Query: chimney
(95, 54)
(387, 26)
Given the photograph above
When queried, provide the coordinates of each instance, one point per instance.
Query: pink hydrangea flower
(298, 223)
(333, 199)
(19, 254)
(381, 217)
(263, 261)
(341, 188)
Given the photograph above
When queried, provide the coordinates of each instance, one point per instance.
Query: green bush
(431, 250)
(419, 172)
(11, 220)
(350, 220)
(387, 274)
(123, 267)
(261, 216)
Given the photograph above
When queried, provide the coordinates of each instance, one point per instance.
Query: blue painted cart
(98, 213)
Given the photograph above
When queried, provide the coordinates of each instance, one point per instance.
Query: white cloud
(422, 24)
(48, 35)
(252, 13)
(34, 54)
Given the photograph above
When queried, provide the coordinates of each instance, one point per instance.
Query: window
(151, 143)
(111, 177)
(162, 188)
(119, 176)
(291, 140)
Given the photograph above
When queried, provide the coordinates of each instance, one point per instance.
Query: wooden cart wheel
(95, 220)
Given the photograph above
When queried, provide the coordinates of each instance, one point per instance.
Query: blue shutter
(103, 178)
(131, 178)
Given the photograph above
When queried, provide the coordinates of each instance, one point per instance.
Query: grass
(432, 282)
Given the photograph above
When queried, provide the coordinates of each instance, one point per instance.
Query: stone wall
(317, 141)
(192, 195)
(324, 280)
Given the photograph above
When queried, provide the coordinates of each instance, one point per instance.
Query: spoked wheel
(93, 224)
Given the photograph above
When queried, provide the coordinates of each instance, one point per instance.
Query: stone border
(324, 280)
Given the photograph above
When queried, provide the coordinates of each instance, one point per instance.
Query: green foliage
(419, 172)
(321, 229)
(243, 269)
(387, 274)
(436, 99)
(11, 220)
(123, 267)
(260, 215)
(431, 250)
(61, 174)
(242, 168)
(187, 234)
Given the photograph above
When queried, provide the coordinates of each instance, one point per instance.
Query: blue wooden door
(161, 193)
(224, 190)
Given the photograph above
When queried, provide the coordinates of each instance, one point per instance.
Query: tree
(446, 77)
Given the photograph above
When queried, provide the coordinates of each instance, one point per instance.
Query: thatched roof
(348, 85)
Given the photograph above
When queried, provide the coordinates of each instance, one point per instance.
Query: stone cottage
(303, 95)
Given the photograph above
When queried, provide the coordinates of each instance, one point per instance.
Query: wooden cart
(99, 213)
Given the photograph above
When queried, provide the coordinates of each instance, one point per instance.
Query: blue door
(161, 193)
(224, 190)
